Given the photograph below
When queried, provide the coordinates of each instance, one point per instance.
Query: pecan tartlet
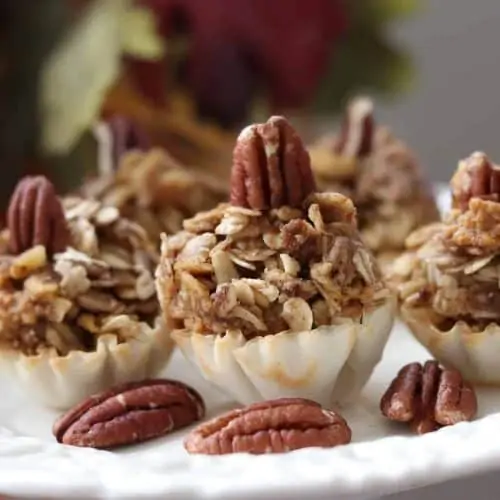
(448, 280)
(274, 294)
(78, 309)
(149, 186)
(367, 163)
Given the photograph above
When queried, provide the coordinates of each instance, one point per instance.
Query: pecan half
(271, 167)
(355, 139)
(476, 177)
(35, 217)
(429, 397)
(276, 426)
(130, 413)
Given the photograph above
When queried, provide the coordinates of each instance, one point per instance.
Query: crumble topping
(152, 189)
(453, 268)
(234, 268)
(102, 283)
(386, 186)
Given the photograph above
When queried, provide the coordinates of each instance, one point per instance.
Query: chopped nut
(29, 261)
(476, 177)
(89, 323)
(40, 286)
(59, 307)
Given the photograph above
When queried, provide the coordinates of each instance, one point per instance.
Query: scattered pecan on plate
(130, 413)
(276, 426)
(429, 397)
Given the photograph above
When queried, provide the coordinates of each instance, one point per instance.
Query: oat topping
(152, 189)
(453, 268)
(101, 283)
(384, 179)
(234, 268)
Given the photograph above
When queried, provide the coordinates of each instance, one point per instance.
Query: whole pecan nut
(429, 397)
(476, 177)
(276, 426)
(271, 167)
(130, 413)
(355, 139)
(35, 217)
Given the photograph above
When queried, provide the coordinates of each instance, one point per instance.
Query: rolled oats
(102, 283)
(290, 265)
(298, 314)
(453, 268)
(285, 269)
(224, 269)
(385, 183)
(152, 189)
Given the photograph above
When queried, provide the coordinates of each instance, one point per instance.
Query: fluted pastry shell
(475, 354)
(329, 364)
(62, 381)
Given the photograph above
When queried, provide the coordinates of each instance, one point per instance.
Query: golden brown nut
(276, 426)
(476, 177)
(271, 167)
(35, 217)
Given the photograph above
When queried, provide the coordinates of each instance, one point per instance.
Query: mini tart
(381, 176)
(152, 189)
(286, 302)
(86, 318)
(448, 281)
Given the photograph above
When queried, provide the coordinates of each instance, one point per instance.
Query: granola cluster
(152, 189)
(235, 268)
(102, 283)
(453, 268)
(385, 183)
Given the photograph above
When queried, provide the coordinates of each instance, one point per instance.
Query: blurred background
(191, 73)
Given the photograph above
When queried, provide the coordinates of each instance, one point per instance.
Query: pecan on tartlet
(381, 175)
(448, 280)
(78, 309)
(260, 290)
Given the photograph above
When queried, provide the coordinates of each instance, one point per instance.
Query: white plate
(383, 458)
